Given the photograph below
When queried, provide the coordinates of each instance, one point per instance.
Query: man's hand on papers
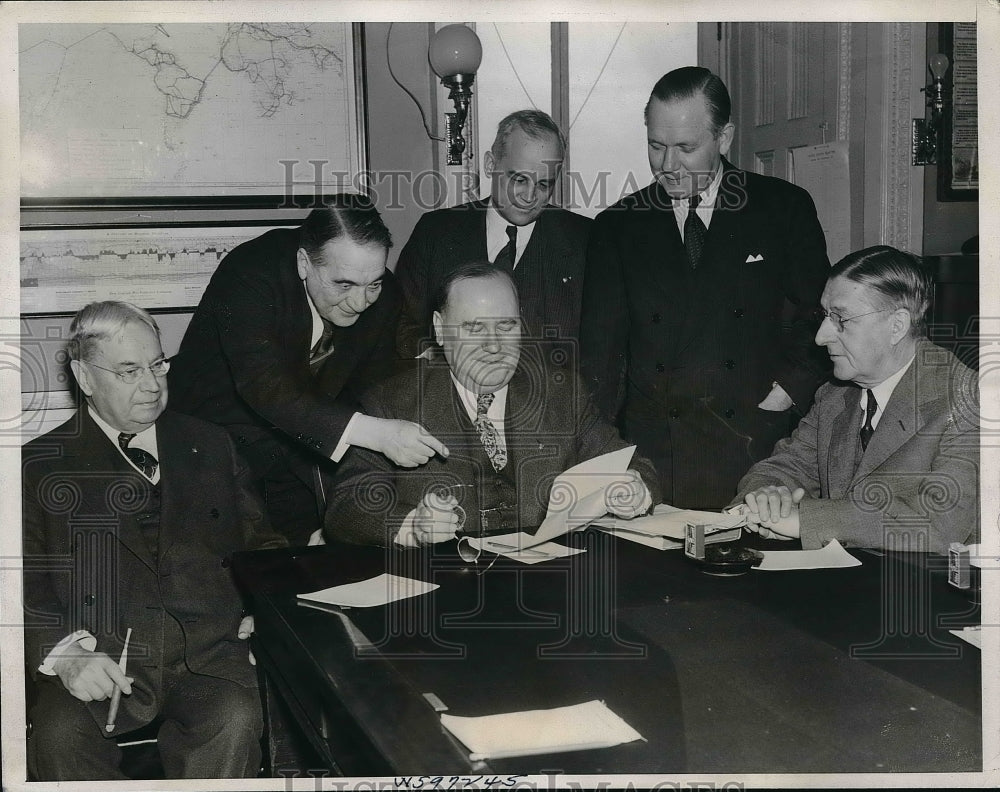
(406, 443)
(628, 498)
(773, 511)
(90, 676)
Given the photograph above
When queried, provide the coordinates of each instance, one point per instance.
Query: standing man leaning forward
(292, 328)
(516, 227)
(130, 511)
(687, 281)
(889, 454)
(512, 421)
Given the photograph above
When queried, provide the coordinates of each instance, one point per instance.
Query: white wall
(607, 133)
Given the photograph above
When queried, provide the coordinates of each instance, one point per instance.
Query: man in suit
(889, 454)
(689, 282)
(543, 245)
(512, 422)
(292, 327)
(130, 512)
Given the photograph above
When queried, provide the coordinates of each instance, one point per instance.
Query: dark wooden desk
(848, 670)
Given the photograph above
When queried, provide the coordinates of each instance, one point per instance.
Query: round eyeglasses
(131, 375)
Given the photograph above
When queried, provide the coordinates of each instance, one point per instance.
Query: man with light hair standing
(542, 245)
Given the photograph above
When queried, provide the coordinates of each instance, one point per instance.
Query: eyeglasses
(839, 321)
(130, 376)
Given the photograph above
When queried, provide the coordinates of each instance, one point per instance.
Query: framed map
(181, 114)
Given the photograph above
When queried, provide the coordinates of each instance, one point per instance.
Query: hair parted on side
(688, 81)
(99, 321)
(899, 279)
(345, 215)
(534, 123)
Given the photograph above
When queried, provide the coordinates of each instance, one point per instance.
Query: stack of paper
(832, 556)
(665, 527)
(575, 728)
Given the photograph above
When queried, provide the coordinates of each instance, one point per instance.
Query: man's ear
(726, 135)
(900, 323)
(489, 162)
(438, 322)
(302, 262)
(82, 377)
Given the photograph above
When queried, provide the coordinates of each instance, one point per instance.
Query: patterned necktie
(694, 234)
(868, 430)
(143, 460)
(488, 434)
(508, 256)
(324, 347)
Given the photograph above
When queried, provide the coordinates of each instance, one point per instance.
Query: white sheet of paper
(670, 522)
(577, 495)
(832, 556)
(379, 590)
(973, 635)
(521, 547)
(573, 728)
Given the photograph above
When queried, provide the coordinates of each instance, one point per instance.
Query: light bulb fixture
(927, 131)
(455, 53)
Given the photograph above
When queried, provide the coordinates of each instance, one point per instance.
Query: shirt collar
(470, 400)
(317, 320)
(146, 439)
(496, 232)
(707, 196)
(883, 391)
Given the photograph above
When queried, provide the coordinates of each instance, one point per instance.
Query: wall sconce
(926, 132)
(455, 53)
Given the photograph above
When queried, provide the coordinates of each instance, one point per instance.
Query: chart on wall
(151, 110)
(63, 269)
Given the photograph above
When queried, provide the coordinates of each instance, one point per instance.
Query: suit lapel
(899, 422)
(843, 442)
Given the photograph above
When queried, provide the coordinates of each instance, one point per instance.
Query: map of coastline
(201, 109)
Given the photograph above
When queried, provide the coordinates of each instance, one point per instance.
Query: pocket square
(752, 259)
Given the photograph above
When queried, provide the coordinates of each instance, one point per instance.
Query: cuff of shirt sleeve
(404, 536)
(344, 443)
(82, 638)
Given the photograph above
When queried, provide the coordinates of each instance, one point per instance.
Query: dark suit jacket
(551, 425)
(918, 476)
(687, 356)
(87, 565)
(244, 360)
(549, 274)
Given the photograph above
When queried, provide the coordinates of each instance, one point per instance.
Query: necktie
(488, 434)
(323, 347)
(143, 460)
(868, 430)
(508, 256)
(694, 234)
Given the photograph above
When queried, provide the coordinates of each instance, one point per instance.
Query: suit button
(674, 413)
(214, 513)
(660, 367)
(739, 312)
(730, 413)
(730, 364)
(89, 600)
(242, 439)
(656, 318)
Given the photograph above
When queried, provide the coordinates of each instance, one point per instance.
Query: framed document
(221, 115)
(958, 158)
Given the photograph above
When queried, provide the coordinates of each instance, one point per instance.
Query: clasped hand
(628, 498)
(773, 511)
(434, 520)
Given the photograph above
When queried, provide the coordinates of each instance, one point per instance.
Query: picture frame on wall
(216, 115)
(958, 155)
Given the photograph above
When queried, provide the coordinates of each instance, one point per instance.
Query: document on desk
(379, 590)
(520, 546)
(833, 556)
(574, 728)
(671, 522)
(577, 495)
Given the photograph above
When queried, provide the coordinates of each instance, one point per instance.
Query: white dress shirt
(706, 207)
(497, 239)
(882, 392)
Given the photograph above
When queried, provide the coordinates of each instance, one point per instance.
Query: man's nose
(492, 343)
(357, 299)
(669, 161)
(827, 332)
(150, 382)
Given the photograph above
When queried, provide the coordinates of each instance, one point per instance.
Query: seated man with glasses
(888, 456)
(513, 419)
(129, 514)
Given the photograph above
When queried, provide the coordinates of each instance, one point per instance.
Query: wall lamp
(455, 53)
(926, 132)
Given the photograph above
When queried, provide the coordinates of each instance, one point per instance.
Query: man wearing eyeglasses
(129, 513)
(888, 456)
